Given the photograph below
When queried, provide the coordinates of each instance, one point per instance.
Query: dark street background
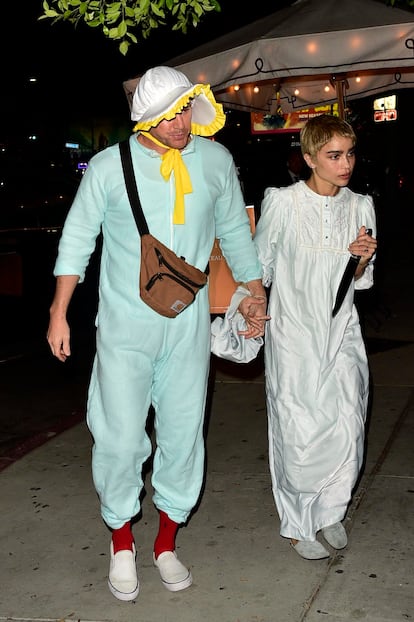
(80, 76)
(41, 396)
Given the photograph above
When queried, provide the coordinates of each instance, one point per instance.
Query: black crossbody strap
(131, 187)
(132, 190)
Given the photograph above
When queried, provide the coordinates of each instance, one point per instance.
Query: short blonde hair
(319, 130)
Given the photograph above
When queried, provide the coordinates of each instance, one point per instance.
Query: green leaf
(122, 29)
(157, 10)
(113, 33)
(123, 47)
(49, 13)
(117, 19)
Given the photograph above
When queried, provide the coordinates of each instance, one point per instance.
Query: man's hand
(58, 333)
(58, 337)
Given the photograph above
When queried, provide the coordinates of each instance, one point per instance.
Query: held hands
(253, 309)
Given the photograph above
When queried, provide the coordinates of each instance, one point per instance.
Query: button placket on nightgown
(326, 224)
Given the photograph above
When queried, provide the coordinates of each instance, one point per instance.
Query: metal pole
(341, 84)
(339, 87)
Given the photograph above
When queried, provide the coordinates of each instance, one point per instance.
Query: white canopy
(357, 48)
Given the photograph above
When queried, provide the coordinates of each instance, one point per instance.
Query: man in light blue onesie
(190, 195)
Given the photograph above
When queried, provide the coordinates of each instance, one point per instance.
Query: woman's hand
(364, 246)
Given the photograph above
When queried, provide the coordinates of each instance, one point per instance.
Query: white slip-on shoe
(123, 580)
(174, 575)
(335, 535)
(310, 550)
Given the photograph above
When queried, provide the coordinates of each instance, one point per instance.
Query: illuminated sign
(385, 109)
(291, 122)
(385, 115)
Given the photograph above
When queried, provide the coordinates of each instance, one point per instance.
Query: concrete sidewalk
(55, 548)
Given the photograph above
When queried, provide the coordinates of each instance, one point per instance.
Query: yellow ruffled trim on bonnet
(200, 130)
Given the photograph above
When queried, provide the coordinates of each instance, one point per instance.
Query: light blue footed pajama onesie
(143, 358)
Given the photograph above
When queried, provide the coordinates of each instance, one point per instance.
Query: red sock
(122, 538)
(165, 540)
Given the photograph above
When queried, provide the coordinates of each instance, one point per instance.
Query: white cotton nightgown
(316, 367)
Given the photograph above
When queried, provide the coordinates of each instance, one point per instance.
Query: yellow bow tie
(172, 161)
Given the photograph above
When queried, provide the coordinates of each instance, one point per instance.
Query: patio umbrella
(311, 53)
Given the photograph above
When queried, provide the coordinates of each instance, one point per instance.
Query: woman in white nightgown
(315, 365)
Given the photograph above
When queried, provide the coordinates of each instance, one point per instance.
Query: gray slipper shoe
(335, 535)
(310, 550)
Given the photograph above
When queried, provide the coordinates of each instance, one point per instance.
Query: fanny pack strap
(132, 190)
(131, 186)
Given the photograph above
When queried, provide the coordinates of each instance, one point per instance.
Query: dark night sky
(80, 75)
(79, 70)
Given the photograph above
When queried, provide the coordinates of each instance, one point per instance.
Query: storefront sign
(262, 123)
